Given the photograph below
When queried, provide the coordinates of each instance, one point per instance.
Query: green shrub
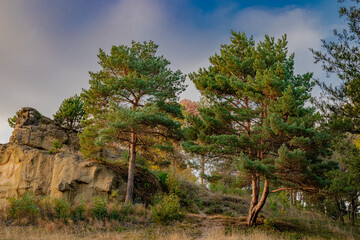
(273, 205)
(56, 146)
(114, 195)
(12, 120)
(233, 189)
(269, 223)
(79, 213)
(62, 208)
(46, 207)
(99, 208)
(172, 183)
(24, 207)
(163, 176)
(114, 211)
(127, 209)
(120, 211)
(167, 209)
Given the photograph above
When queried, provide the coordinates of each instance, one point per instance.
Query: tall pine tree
(257, 119)
(342, 58)
(132, 101)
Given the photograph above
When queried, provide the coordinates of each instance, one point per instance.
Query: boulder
(27, 165)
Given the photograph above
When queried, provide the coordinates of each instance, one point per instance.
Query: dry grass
(109, 230)
(136, 223)
(52, 231)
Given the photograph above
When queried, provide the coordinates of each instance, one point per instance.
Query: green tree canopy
(132, 101)
(345, 180)
(71, 113)
(12, 120)
(342, 57)
(257, 118)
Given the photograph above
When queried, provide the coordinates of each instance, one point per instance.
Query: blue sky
(48, 47)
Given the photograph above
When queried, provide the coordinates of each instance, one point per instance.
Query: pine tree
(344, 185)
(71, 113)
(341, 105)
(342, 57)
(257, 119)
(132, 101)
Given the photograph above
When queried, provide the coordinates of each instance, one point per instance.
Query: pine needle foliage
(132, 102)
(257, 119)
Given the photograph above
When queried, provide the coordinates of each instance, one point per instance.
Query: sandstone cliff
(27, 165)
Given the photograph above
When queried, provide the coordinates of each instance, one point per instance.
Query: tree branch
(295, 188)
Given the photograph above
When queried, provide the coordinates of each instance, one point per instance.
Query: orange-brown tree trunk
(202, 171)
(131, 172)
(256, 205)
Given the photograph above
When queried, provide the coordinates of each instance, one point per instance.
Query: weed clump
(99, 208)
(167, 209)
(62, 208)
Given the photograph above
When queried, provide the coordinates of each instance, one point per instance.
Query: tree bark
(256, 206)
(130, 183)
(341, 217)
(202, 172)
(353, 212)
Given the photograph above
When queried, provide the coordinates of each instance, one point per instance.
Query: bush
(127, 209)
(56, 146)
(167, 209)
(12, 120)
(118, 211)
(99, 208)
(269, 223)
(24, 207)
(62, 208)
(163, 176)
(273, 205)
(46, 207)
(172, 183)
(79, 213)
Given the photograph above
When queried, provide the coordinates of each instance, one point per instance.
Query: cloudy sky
(48, 47)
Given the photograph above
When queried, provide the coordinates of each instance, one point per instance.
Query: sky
(47, 48)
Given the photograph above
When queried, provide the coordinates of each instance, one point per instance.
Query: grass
(202, 220)
(103, 230)
(193, 226)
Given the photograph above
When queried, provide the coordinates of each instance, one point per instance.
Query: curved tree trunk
(353, 211)
(256, 206)
(130, 183)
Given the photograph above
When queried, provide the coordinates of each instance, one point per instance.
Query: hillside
(31, 164)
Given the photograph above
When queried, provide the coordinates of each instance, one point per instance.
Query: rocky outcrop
(27, 165)
(34, 130)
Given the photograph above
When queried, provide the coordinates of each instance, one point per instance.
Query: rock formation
(27, 165)
(36, 131)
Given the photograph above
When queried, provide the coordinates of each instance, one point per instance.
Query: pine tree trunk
(130, 183)
(255, 206)
(353, 212)
(341, 217)
(202, 172)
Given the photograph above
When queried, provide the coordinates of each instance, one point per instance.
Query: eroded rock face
(27, 165)
(34, 130)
